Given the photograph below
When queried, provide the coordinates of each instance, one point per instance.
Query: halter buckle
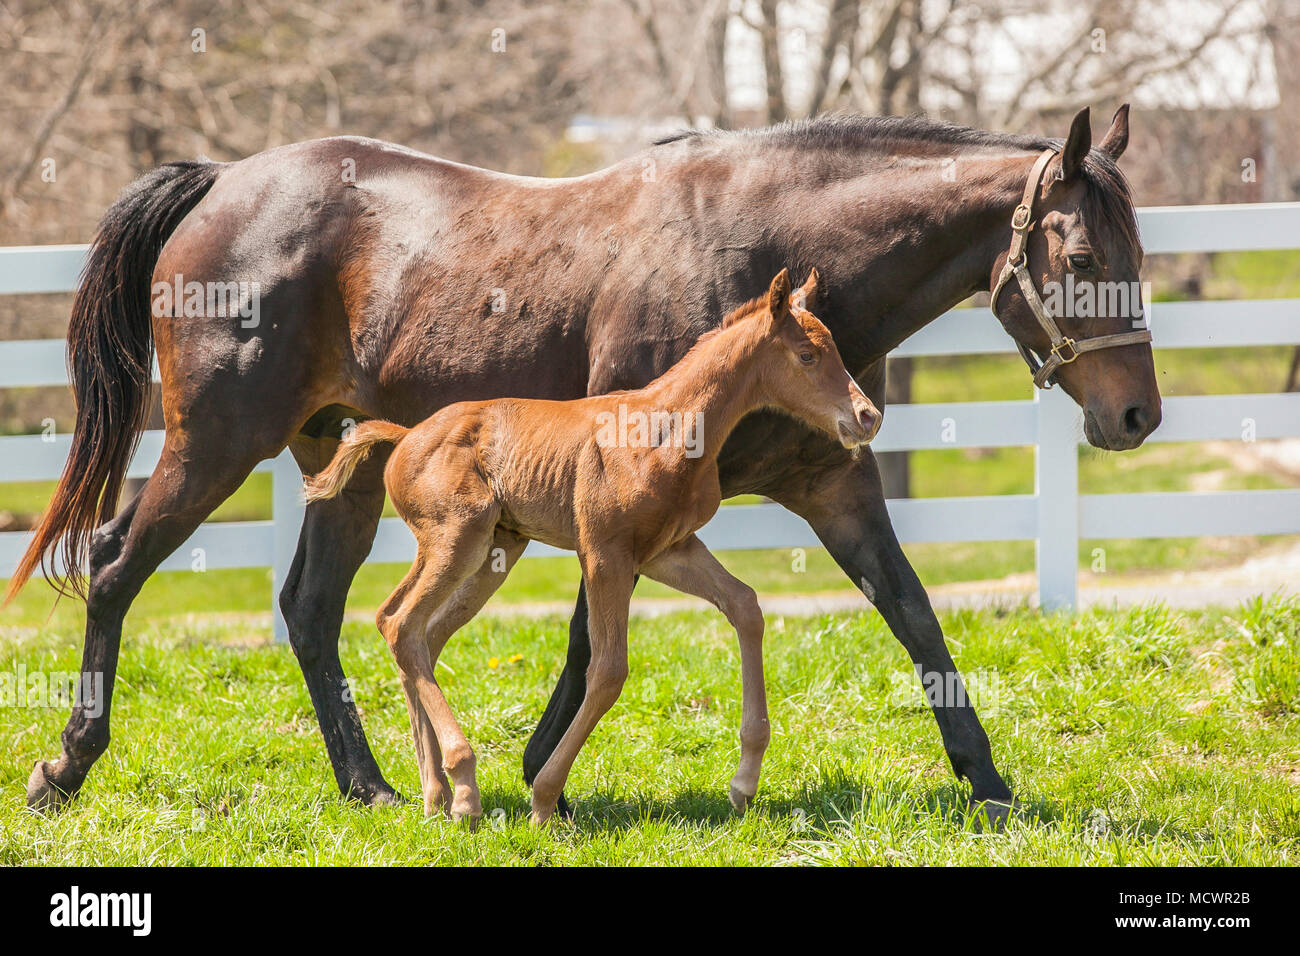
(1021, 217)
(1066, 343)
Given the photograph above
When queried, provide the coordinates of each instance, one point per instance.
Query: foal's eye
(1082, 262)
(807, 357)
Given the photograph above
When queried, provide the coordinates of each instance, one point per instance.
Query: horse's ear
(805, 297)
(1116, 138)
(1077, 145)
(778, 296)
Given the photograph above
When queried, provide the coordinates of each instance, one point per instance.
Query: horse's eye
(807, 357)
(1082, 262)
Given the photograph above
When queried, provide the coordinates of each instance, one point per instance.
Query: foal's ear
(1077, 144)
(778, 296)
(1116, 138)
(805, 297)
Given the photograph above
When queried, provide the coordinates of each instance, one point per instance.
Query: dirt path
(1273, 571)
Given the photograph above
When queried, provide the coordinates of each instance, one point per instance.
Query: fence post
(1056, 483)
(287, 510)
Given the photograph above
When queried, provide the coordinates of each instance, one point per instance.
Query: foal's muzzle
(863, 426)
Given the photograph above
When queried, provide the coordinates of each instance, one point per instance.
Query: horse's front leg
(845, 505)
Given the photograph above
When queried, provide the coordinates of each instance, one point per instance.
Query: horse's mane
(852, 131)
(1108, 198)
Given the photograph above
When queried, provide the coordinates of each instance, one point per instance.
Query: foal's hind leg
(448, 554)
(459, 609)
(689, 567)
(188, 483)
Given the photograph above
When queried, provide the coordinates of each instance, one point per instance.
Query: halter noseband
(1064, 350)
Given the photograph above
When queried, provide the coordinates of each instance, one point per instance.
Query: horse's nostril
(1135, 419)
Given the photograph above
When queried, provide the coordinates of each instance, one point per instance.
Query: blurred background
(98, 92)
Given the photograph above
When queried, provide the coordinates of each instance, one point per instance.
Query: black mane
(1108, 199)
(853, 131)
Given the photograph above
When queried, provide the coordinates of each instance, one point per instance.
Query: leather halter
(1064, 350)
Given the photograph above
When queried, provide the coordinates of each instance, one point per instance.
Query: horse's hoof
(467, 819)
(380, 798)
(563, 808)
(997, 813)
(42, 795)
(739, 799)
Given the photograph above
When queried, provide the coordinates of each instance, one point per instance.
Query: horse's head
(1081, 253)
(802, 372)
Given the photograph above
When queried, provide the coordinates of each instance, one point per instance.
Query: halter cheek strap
(1064, 350)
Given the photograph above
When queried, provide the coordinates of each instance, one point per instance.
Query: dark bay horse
(392, 283)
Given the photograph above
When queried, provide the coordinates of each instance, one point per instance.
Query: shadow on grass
(829, 801)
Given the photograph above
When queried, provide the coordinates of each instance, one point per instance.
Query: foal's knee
(458, 760)
(405, 645)
(605, 680)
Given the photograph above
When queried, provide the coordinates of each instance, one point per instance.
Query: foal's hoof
(42, 795)
(739, 799)
(997, 813)
(466, 819)
(543, 817)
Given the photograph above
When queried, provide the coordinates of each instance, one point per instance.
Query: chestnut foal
(478, 476)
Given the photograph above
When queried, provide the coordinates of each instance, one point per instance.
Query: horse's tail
(351, 451)
(110, 363)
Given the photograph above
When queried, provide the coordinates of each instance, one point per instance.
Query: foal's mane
(1107, 197)
(750, 309)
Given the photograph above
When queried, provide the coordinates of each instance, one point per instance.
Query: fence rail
(1056, 516)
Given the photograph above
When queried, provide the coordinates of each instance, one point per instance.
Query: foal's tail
(110, 352)
(352, 450)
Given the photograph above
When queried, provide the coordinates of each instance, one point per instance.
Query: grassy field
(1141, 737)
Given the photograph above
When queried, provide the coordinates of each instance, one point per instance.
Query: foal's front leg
(689, 567)
(609, 584)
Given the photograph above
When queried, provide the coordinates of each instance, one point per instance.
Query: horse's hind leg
(689, 567)
(335, 539)
(187, 485)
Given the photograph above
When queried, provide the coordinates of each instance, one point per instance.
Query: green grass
(1141, 737)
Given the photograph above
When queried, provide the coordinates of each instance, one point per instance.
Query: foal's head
(802, 372)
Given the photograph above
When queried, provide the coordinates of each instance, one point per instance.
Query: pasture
(1148, 736)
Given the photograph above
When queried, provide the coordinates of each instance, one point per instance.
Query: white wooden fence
(1056, 516)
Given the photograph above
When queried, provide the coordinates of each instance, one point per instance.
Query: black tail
(110, 360)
